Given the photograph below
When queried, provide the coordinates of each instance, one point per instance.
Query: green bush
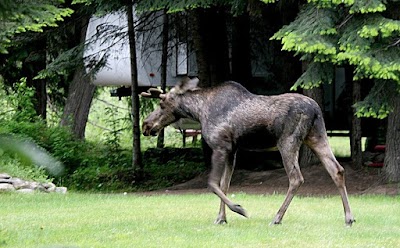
(78, 157)
(103, 164)
(14, 167)
(168, 166)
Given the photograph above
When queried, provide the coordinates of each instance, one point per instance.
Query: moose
(233, 118)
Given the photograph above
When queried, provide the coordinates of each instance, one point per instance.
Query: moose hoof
(275, 223)
(238, 209)
(220, 221)
(350, 222)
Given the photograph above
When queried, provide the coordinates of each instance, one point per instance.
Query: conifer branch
(397, 42)
(348, 17)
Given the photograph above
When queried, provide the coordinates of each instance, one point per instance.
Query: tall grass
(89, 220)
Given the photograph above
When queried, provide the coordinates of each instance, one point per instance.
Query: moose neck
(192, 104)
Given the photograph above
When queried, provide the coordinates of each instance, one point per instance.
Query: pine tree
(23, 16)
(362, 34)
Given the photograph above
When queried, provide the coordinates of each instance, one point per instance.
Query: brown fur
(232, 118)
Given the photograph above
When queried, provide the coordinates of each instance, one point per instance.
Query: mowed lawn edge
(118, 220)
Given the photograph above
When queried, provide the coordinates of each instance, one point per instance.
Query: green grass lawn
(95, 220)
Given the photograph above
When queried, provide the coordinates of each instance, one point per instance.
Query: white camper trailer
(106, 38)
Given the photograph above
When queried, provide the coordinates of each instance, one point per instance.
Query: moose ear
(186, 84)
(193, 83)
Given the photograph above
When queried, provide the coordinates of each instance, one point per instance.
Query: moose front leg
(220, 159)
(225, 182)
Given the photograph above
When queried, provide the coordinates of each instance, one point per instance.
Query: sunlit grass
(89, 220)
(341, 146)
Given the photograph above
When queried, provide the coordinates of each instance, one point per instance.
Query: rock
(61, 190)
(7, 183)
(39, 187)
(26, 191)
(4, 176)
(6, 187)
(6, 180)
(19, 183)
(32, 185)
(49, 187)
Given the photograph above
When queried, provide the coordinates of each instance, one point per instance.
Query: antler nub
(152, 93)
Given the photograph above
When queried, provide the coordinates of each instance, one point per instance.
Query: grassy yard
(90, 220)
(341, 146)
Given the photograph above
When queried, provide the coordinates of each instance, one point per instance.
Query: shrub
(82, 160)
(101, 165)
(168, 166)
(15, 168)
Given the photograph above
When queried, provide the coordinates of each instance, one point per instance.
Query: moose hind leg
(291, 164)
(320, 146)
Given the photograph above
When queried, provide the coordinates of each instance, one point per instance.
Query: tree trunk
(241, 60)
(210, 42)
(137, 164)
(77, 106)
(199, 48)
(391, 169)
(164, 60)
(80, 95)
(355, 137)
(307, 157)
(35, 62)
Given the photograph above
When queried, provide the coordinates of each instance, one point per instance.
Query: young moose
(232, 118)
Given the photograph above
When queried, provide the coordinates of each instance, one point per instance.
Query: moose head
(168, 111)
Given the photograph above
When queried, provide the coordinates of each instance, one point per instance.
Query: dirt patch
(317, 182)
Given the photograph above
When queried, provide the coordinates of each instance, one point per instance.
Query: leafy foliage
(168, 166)
(11, 164)
(18, 104)
(22, 16)
(101, 165)
(375, 104)
(318, 73)
(310, 33)
(236, 6)
(350, 32)
(177, 5)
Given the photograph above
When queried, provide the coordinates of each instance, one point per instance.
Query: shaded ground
(317, 182)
